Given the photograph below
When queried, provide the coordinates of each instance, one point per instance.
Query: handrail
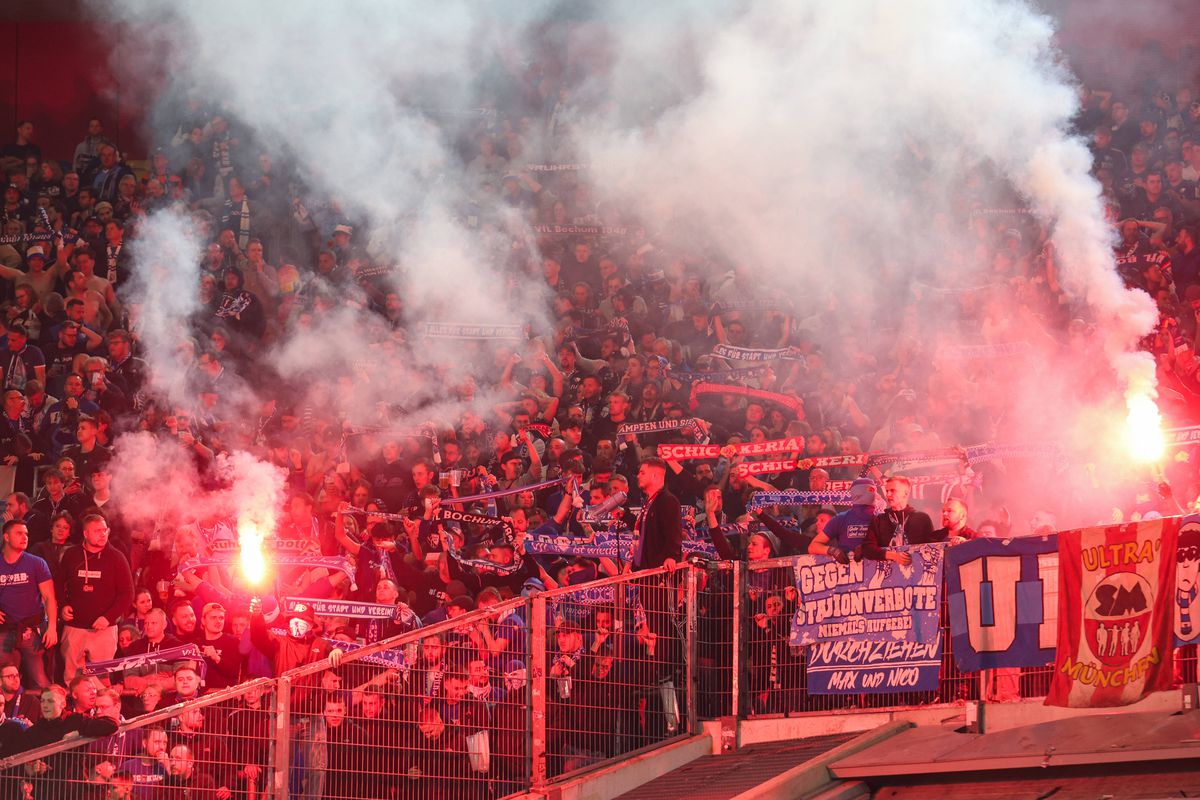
(158, 715)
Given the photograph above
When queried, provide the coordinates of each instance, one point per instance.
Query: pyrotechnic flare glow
(1143, 429)
(252, 560)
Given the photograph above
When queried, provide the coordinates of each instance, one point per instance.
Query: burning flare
(1143, 429)
(253, 561)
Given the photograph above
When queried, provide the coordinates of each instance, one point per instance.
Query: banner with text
(881, 666)
(868, 600)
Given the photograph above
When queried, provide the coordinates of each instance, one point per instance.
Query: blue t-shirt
(848, 529)
(19, 595)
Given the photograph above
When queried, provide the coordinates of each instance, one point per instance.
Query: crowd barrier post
(537, 693)
(738, 641)
(691, 658)
(283, 735)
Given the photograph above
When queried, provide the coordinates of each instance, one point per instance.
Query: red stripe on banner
(1115, 637)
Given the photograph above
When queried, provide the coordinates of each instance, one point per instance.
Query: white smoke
(832, 151)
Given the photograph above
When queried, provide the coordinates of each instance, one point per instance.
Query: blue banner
(1003, 601)
(857, 666)
(868, 600)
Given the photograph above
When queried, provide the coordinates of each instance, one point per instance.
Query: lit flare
(1143, 430)
(252, 559)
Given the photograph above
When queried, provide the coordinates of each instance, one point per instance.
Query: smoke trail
(832, 147)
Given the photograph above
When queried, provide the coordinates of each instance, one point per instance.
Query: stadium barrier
(496, 702)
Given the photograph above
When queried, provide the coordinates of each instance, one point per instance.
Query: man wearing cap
(25, 361)
(844, 533)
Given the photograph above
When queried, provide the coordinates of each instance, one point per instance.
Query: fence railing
(495, 702)
(484, 705)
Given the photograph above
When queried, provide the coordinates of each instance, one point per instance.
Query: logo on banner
(1117, 617)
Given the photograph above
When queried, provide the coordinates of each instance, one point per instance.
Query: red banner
(789, 464)
(679, 452)
(1115, 609)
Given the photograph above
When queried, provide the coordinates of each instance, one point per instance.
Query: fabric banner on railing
(340, 608)
(1116, 605)
(1187, 583)
(880, 666)
(1003, 601)
(870, 600)
(187, 652)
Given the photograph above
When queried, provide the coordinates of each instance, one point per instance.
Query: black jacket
(661, 530)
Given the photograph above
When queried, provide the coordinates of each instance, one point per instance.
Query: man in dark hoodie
(899, 525)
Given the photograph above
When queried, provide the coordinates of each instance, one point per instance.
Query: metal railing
(496, 702)
(485, 705)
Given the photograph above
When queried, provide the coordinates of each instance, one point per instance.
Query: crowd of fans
(86, 577)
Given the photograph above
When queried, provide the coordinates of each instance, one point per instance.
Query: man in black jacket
(96, 588)
(658, 534)
(899, 525)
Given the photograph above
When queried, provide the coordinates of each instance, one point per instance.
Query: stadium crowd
(87, 578)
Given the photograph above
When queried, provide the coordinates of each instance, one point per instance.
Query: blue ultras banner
(856, 666)
(1003, 602)
(874, 601)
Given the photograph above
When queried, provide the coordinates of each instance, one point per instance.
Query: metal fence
(484, 705)
(492, 703)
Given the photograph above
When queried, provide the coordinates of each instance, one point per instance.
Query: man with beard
(954, 523)
(204, 746)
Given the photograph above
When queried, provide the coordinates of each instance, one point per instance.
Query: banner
(868, 600)
(720, 375)
(661, 426)
(581, 230)
(486, 496)
(340, 608)
(992, 451)
(447, 330)
(228, 558)
(1187, 565)
(756, 353)
(1115, 608)
(616, 543)
(968, 351)
(1182, 437)
(454, 515)
(795, 497)
(793, 404)
(393, 659)
(913, 457)
(680, 452)
(187, 652)
(1003, 601)
(857, 666)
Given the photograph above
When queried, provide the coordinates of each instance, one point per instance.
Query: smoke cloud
(863, 158)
